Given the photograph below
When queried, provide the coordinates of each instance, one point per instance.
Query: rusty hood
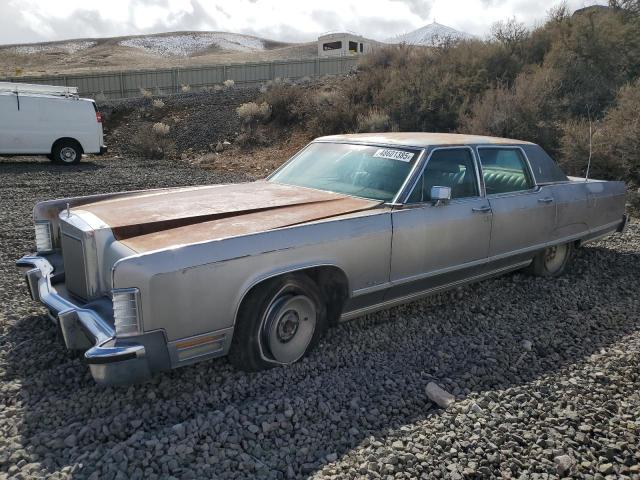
(164, 218)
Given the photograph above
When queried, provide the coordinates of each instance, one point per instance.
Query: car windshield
(359, 170)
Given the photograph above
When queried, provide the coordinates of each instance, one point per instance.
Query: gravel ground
(545, 375)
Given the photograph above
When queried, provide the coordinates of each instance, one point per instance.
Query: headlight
(44, 242)
(126, 313)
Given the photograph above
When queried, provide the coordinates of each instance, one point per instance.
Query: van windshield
(360, 170)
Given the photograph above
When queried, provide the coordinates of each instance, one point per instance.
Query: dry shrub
(160, 129)
(154, 141)
(525, 111)
(375, 120)
(228, 83)
(185, 88)
(615, 140)
(251, 114)
(253, 138)
(146, 93)
(158, 103)
(285, 101)
(332, 113)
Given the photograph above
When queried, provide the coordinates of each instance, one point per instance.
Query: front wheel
(552, 261)
(279, 322)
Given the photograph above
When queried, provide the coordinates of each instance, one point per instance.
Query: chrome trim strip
(424, 293)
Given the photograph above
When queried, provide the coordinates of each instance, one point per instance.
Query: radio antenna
(586, 177)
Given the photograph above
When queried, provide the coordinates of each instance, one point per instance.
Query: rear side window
(451, 168)
(504, 170)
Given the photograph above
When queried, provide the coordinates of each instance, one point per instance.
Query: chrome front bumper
(111, 361)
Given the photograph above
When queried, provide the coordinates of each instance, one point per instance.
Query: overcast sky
(23, 21)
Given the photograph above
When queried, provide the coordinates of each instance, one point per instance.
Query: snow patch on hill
(188, 44)
(66, 47)
(430, 35)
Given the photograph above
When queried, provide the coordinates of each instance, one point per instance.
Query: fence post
(224, 73)
(121, 85)
(317, 67)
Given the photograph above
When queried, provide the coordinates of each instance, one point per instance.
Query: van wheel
(552, 261)
(67, 152)
(279, 322)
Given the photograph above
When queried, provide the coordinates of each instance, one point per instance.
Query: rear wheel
(66, 152)
(552, 261)
(279, 322)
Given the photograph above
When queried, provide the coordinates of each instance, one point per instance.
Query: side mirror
(440, 195)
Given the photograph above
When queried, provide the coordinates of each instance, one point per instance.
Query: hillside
(173, 49)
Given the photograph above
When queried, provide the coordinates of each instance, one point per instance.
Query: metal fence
(132, 83)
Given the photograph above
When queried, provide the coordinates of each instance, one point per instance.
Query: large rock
(440, 397)
(564, 463)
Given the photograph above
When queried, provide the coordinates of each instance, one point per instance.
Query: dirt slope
(166, 50)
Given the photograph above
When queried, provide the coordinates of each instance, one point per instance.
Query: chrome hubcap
(67, 154)
(554, 257)
(288, 327)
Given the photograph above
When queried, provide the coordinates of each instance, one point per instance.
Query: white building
(342, 43)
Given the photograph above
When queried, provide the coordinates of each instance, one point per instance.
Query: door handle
(484, 208)
(545, 200)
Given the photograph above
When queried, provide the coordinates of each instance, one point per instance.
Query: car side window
(451, 168)
(504, 170)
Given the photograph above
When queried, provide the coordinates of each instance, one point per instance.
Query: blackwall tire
(66, 152)
(552, 261)
(280, 321)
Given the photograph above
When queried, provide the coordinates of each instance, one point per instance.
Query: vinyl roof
(421, 139)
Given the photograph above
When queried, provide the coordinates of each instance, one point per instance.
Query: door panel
(521, 220)
(523, 214)
(432, 240)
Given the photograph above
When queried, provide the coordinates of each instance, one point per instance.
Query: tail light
(126, 312)
(98, 117)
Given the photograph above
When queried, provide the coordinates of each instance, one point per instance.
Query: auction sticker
(394, 154)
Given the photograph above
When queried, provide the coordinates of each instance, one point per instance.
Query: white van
(48, 120)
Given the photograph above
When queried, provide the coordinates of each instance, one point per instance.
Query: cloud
(24, 21)
(421, 8)
(369, 26)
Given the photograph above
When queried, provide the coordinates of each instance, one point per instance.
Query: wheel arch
(67, 139)
(331, 279)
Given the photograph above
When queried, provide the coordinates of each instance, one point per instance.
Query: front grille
(75, 268)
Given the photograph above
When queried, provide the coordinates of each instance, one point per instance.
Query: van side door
(8, 114)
